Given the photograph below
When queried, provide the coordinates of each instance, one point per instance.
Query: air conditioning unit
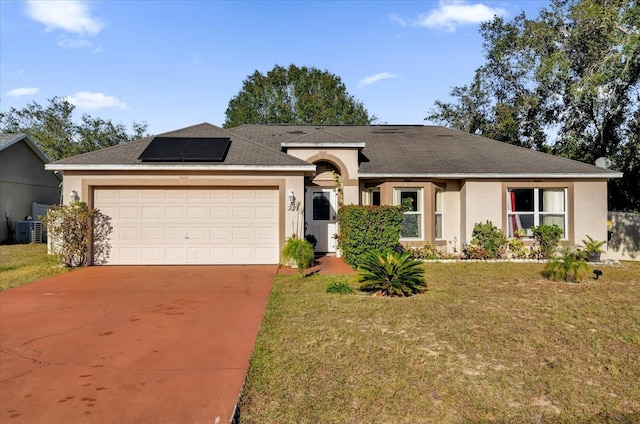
(29, 232)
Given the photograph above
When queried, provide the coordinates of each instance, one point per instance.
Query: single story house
(206, 195)
(23, 182)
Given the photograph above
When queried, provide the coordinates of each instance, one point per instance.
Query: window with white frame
(438, 213)
(374, 196)
(529, 207)
(411, 199)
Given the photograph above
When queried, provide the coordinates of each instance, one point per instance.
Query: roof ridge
(317, 130)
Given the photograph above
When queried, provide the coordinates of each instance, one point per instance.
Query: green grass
(488, 343)
(25, 263)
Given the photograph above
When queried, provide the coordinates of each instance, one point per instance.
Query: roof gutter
(492, 175)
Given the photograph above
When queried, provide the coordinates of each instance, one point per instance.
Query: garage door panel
(241, 213)
(152, 194)
(266, 213)
(192, 226)
(173, 234)
(220, 213)
(220, 234)
(197, 212)
(265, 234)
(174, 213)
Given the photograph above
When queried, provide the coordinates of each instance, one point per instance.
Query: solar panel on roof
(186, 149)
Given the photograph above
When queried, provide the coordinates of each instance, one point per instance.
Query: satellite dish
(603, 163)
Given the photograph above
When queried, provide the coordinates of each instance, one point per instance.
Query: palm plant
(567, 265)
(391, 273)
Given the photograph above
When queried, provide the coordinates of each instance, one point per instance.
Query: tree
(294, 96)
(566, 82)
(52, 128)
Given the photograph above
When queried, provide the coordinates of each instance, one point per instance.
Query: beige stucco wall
(85, 182)
(345, 160)
(451, 217)
(590, 210)
(23, 180)
(483, 201)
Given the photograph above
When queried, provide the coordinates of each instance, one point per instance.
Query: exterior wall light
(74, 196)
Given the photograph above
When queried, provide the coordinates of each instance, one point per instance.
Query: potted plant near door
(336, 237)
(593, 248)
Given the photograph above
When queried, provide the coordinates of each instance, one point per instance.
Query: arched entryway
(321, 206)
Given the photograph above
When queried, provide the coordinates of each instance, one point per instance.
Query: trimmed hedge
(367, 228)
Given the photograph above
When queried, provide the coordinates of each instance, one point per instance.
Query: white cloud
(451, 14)
(22, 91)
(375, 78)
(68, 15)
(94, 101)
(76, 43)
(400, 20)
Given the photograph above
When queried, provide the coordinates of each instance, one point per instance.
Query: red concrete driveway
(130, 344)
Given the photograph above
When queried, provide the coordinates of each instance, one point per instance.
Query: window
(438, 213)
(321, 206)
(411, 199)
(374, 197)
(529, 207)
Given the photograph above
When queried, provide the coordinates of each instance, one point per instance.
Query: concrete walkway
(130, 344)
(326, 265)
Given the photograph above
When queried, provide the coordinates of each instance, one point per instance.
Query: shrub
(75, 231)
(339, 287)
(424, 251)
(567, 265)
(489, 237)
(367, 228)
(517, 248)
(391, 273)
(472, 251)
(298, 252)
(547, 237)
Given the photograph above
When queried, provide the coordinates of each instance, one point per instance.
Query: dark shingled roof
(390, 150)
(242, 152)
(425, 150)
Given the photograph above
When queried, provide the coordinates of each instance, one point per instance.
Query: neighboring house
(227, 199)
(23, 181)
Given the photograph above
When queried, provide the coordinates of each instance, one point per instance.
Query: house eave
(573, 176)
(322, 144)
(177, 167)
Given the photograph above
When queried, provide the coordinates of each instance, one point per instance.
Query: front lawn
(25, 263)
(489, 342)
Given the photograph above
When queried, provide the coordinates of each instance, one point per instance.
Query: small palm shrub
(391, 273)
(489, 237)
(298, 252)
(567, 265)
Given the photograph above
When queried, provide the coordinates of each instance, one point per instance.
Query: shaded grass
(486, 343)
(25, 263)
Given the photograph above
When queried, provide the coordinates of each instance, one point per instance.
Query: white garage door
(191, 226)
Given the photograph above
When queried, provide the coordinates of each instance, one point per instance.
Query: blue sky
(178, 63)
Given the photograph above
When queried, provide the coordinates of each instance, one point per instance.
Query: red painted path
(130, 344)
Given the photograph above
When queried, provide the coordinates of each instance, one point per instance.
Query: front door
(321, 216)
